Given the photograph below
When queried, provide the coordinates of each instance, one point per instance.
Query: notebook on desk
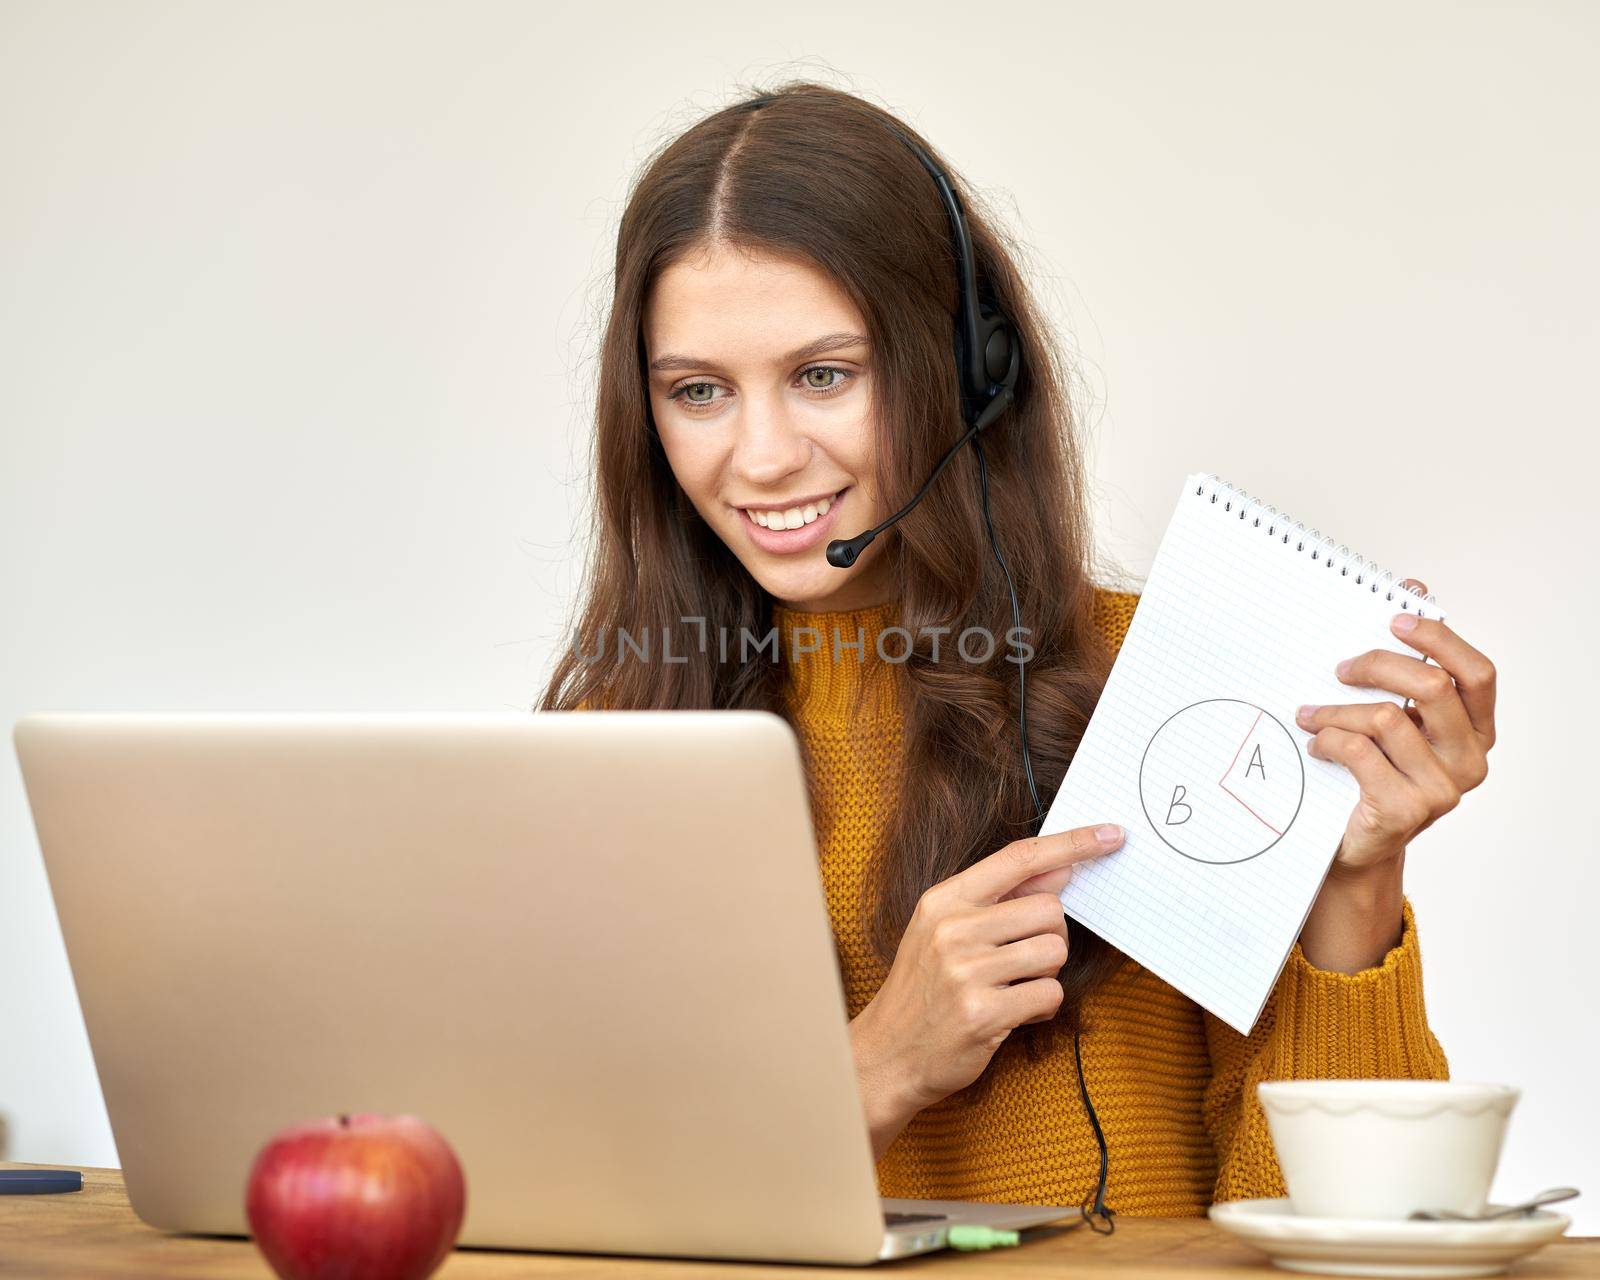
(1194, 748)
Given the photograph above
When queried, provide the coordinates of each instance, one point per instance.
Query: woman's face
(760, 384)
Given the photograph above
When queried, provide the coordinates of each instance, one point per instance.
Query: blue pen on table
(33, 1182)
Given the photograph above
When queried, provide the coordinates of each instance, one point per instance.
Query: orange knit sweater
(1173, 1086)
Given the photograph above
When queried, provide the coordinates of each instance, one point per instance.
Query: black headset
(988, 361)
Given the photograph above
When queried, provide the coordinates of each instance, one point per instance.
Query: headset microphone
(842, 552)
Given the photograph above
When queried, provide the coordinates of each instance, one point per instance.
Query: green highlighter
(975, 1235)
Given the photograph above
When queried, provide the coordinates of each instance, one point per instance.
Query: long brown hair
(815, 174)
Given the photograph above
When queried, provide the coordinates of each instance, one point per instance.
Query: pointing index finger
(985, 882)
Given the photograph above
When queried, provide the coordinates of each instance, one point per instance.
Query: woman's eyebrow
(828, 342)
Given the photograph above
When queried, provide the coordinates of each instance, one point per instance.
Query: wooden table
(94, 1232)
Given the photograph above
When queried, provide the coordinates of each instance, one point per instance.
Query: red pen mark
(1222, 781)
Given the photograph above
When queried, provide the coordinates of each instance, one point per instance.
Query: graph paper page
(1194, 749)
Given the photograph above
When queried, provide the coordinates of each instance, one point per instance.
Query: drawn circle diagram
(1221, 781)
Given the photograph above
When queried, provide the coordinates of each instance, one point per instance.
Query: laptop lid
(591, 948)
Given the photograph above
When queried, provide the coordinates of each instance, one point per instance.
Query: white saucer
(1372, 1247)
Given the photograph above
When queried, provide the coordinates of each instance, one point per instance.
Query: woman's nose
(769, 446)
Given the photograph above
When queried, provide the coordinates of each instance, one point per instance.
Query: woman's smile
(786, 530)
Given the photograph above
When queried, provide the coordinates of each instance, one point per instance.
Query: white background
(298, 308)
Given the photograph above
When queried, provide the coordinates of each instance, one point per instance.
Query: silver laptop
(590, 948)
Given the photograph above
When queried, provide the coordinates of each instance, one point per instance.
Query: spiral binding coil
(1292, 532)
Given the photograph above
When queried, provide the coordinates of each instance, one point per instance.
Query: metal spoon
(1511, 1211)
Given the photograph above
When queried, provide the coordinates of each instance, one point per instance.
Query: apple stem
(344, 1121)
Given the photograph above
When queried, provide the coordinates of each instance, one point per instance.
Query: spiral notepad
(1194, 748)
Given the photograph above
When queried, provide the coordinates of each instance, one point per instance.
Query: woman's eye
(700, 394)
(690, 390)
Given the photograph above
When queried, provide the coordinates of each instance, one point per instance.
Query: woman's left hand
(1413, 764)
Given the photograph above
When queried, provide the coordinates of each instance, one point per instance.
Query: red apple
(356, 1197)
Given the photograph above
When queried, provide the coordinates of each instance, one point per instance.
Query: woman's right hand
(979, 958)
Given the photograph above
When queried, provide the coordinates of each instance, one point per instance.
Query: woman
(777, 373)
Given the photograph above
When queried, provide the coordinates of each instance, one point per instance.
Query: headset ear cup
(996, 345)
(997, 352)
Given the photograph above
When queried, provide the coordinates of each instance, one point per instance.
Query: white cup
(1383, 1148)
